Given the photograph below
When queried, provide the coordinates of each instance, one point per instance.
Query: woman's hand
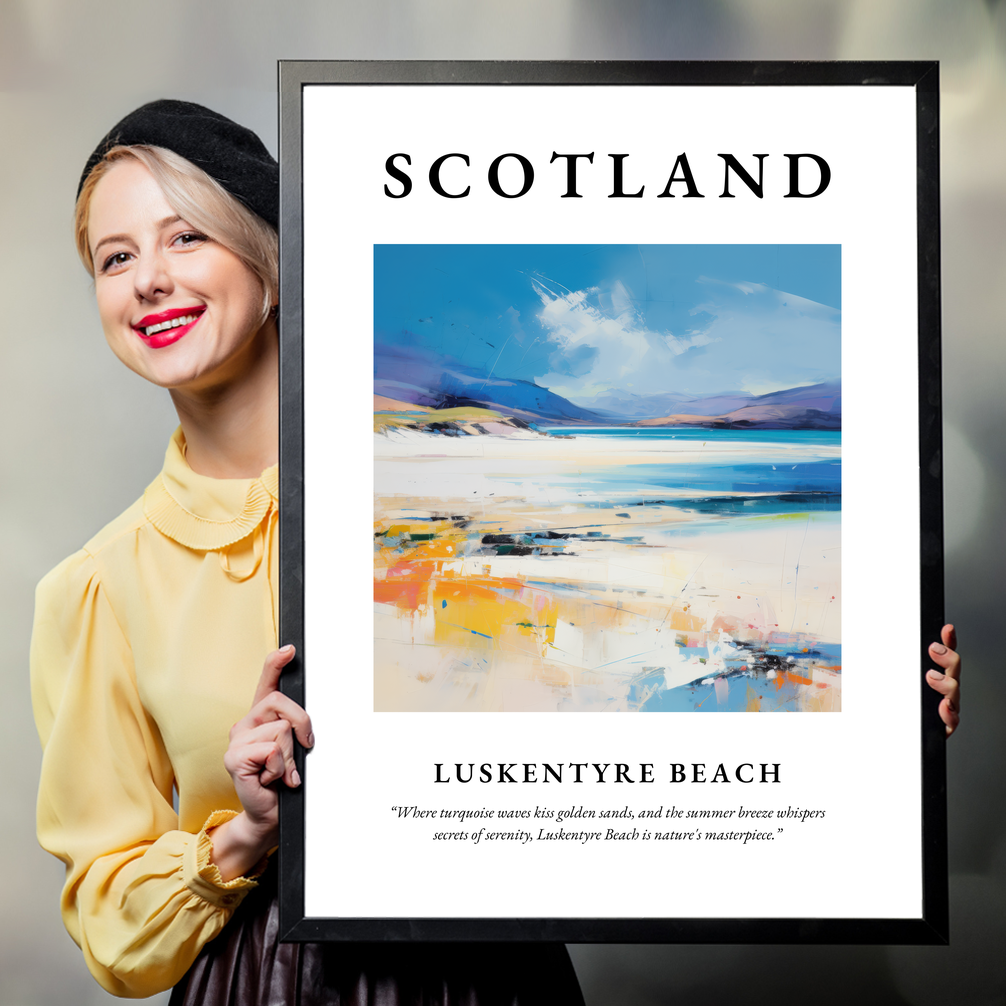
(947, 682)
(260, 753)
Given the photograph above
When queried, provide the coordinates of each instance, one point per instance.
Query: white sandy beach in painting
(528, 572)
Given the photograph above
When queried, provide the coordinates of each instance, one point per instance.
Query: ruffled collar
(203, 513)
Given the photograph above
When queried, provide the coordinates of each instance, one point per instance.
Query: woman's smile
(166, 327)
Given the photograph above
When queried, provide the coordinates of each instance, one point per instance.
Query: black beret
(231, 154)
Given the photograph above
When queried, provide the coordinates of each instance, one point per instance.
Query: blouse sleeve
(141, 898)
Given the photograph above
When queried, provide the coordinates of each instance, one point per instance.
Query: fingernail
(936, 676)
(938, 648)
(295, 777)
(310, 740)
(287, 649)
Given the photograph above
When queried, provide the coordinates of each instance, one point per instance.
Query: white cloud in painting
(735, 336)
(602, 341)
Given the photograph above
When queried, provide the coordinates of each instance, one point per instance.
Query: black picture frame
(931, 927)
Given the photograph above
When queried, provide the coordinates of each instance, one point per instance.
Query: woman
(148, 643)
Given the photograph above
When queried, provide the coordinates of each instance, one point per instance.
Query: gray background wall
(82, 436)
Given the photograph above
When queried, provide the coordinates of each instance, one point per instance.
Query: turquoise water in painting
(746, 472)
(822, 437)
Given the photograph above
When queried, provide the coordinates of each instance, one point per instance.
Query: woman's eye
(114, 261)
(190, 238)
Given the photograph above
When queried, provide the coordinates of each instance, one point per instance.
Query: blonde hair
(199, 200)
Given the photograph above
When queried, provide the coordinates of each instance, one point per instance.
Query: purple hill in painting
(816, 407)
(444, 384)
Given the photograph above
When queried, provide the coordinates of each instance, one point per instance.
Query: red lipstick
(166, 327)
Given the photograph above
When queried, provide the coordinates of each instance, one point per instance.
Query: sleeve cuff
(202, 876)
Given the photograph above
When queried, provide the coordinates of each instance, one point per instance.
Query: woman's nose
(152, 277)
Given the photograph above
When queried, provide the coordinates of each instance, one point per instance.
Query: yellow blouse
(147, 647)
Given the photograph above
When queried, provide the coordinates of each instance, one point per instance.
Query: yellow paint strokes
(390, 419)
(466, 413)
(394, 529)
(779, 518)
(415, 544)
(485, 611)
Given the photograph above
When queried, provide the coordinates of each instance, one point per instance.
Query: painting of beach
(607, 478)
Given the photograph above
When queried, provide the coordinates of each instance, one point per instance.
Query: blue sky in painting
(597, 323)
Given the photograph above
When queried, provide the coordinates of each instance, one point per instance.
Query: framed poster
(610, 395)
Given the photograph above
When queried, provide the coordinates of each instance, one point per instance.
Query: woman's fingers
(944, 684)
(277, 706)
(949, 712)
(276, 735)
(949, 660)
(274, 766)
(946, 681)
(261, 761)
(949, 688)
(949, 636)
(945, 655)
(270, 703)
(261, 749)
(951, 717)
(271, 671)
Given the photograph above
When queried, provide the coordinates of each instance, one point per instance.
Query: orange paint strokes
(792, 678)
(411, 570)
(404, 583)
(403, 593)
(437, 548)
(480, 588)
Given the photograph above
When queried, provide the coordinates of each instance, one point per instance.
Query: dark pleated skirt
(246, 965)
